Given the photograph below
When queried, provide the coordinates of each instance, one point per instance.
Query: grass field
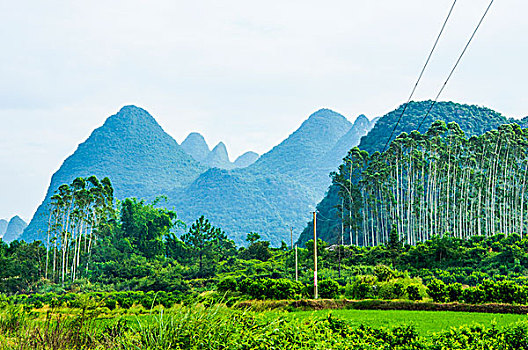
(220, 327)
(426, 322)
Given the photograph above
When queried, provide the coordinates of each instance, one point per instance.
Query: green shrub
(437, 290)
(413, 292)
(384, 273)
(360, 290)
(267, 288)
(473, 295)
(328, 289)
(398, 290)
(454, 292)
(228, 284)
(126, 303)
(111, 304)
(390, 290)
(283, 288)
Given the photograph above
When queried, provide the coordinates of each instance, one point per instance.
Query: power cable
(420, 76)
(324, 218)
(456, 64)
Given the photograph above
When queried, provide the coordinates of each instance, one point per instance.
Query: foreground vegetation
(425, 322)
(218, 327)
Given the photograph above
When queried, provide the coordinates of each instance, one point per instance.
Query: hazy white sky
(244, 72)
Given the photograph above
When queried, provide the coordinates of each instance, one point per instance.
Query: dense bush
(391, 290)
(227, 284)
(328, 289)
(489, 291)
(437, 290)
(267, 288)
(111, 300)
(413, 292)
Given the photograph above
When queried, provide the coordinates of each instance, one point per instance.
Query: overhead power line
(456, 64)
(420, 76)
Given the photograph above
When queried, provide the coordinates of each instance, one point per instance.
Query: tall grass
(219, 327)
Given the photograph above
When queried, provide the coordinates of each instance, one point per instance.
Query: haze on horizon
(243, 73)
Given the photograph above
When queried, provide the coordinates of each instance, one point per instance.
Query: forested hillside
(132, 149)
(437, 183)
(277, 191)
(472, 120)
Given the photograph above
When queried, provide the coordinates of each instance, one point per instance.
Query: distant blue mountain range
(266, 194)
(9, 231)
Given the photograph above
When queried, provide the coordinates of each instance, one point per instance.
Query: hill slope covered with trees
(131, 148)
(277, 191)
(472, 120)
(269, 196)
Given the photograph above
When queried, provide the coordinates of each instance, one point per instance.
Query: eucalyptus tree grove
(436, 183)
(77, 213)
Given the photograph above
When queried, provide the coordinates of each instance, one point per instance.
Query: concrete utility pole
(291, 237)
(316, 294)
(342, 235)
(296, 266)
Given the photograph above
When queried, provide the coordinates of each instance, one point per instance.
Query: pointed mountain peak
(246, 159)
(218, 157)
(220, 146)
(194, 136)
(132, 117)
(360, 128)
(132, 109)
(220, 150)
(14, 229)
(16, 218)
(324, 118)
(131, 149)
(325, 113)
(195, 145)
(361, 119)
(316, 136)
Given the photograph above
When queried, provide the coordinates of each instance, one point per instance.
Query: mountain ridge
(3, 227)
(267, 196)
(14, 229)
(196, 146)
(134, 151)
(276, 192)
(246, 159)
(472, 119)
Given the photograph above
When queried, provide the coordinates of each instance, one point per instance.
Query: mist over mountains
(267, 194)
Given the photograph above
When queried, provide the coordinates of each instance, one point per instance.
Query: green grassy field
(426, 322)
(220, 327)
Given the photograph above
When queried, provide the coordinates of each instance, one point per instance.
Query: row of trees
(78, 212)
(436, 183)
